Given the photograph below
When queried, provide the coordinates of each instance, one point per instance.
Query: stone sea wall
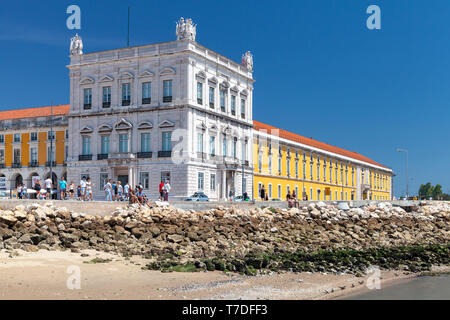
(306, 238)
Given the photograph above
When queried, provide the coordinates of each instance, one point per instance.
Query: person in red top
(161, 195)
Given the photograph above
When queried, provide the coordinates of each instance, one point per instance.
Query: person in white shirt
(108, 190)
(88, 189)
(48, 186)
(83, 188)
(167, 188)
(126, 190)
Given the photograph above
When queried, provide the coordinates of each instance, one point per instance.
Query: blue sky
(319, 71)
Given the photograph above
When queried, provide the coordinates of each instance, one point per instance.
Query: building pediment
(87, 80)
(86, 130)
(123, 125)
(107, 78)
(147, 74)
(145, 125)
(126, 75)
(167, 71)
(166, 124)
(105, 128)
(201, 75)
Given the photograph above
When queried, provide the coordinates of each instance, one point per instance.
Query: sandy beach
(44, 275)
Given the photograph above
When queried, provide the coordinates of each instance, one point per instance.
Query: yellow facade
(308, 173)
(42, 145)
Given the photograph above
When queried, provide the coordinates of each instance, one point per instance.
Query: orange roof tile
(313, 143)
(34, 112)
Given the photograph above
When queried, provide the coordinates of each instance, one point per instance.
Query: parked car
(198, 196)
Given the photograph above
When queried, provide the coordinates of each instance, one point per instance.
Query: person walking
(71, 190)
(126, 191)
(167, 188)
(37, 188)
(108, 190)
(48, 186)
(262, 193)
(231, 195)
(161, 191)
(89, 185)
(19, 191)
(83, 188)
(119, 191)
(62, 187)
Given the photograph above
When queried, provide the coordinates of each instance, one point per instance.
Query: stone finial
(247, 61)
(76, 45)
(186, 30)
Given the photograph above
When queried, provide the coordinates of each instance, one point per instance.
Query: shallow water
(422, 288)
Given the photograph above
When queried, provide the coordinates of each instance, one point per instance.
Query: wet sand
(44, 275)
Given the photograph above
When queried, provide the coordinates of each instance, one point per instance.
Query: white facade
(110, 97)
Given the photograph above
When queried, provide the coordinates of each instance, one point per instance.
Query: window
(212, 182)
(296, 167)
(33, 155)
(126, 94)
(123, 142)
(244, 185)
(244, 151)
(234, 150)
(269, 195)
(331, 170)
(318, 194)
(144, 179)
(67, 134)
(288, 166)
(103, 180)
(200, 181)
(212, 146)
(224, 146)
(296, 192)
(304, 165)
(259, 161)
(336, 173)
(311, 194)
(199, 93)
(2, 138)
(279, 191)
(51, 154)
(199, 142)
(167, 91)
(223, 106)
(167, 141)
(243, 108)
(270, 164)
(51, 135)
(211, 97)
(34, 136)
(318, 168)
(106, 97)
(86, 141)
(279, 165)
(233, 105)
(146, 93)
(16, 158)
(335, 195)
(87, 93)
(66, 152)
(16, 137)
(324, 169)
(145, 142)
(104, 140)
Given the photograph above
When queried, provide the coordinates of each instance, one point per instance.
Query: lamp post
(406, 152)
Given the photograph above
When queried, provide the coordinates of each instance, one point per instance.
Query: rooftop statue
(76, 45)
(186, 30)
(247, 61)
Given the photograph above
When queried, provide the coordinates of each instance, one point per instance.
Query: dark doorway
(123, 179)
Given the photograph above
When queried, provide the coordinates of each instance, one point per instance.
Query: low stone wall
(168, 235)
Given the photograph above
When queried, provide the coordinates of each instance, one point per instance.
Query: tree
(437, 191)
(426, 190)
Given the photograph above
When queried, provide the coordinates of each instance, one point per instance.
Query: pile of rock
(165, 231)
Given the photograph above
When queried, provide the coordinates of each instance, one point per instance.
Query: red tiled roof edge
(313, 143)
(34, 112)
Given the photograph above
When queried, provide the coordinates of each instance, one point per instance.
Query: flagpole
(51, 142)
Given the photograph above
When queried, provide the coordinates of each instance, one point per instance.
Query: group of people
(115, 191)
(291, 199)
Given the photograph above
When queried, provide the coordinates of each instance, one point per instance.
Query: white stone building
(173, 110)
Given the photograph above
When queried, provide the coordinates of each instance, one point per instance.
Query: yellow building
(28, 146)
(285, 162)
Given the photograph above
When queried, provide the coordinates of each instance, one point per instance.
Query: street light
(406, 152)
